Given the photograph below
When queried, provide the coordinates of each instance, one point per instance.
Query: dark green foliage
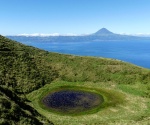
(24, 69)
(13, 110)
(21, 67)
(21, 71)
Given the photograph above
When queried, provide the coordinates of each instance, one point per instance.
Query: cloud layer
(53, 34)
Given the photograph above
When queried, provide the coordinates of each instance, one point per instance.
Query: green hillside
(26, 73)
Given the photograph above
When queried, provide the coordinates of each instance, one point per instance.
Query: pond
(72, 101)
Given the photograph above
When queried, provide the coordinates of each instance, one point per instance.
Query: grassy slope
(20, 67)
(24, 69)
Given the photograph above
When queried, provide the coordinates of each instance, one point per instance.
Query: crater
(72, 101)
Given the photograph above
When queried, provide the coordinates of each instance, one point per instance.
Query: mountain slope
(101, 35)
(18, 73)
(25, 70)
(23, 65)
(103, 31)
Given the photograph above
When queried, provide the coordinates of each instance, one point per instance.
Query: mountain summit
(103, 31)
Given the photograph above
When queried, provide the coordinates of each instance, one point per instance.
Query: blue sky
(74, 16)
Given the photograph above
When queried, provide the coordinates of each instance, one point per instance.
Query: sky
(74, 16)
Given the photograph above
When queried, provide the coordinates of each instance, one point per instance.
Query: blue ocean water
(136, 52)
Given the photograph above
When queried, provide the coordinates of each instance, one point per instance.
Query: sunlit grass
(27, 70)
(126, 107)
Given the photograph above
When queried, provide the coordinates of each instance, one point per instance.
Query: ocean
(135, 52)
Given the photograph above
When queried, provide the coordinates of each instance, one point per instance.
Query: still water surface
(72, 101)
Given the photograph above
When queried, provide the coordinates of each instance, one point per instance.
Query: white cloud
(39, 34)
(137, 34)
(53, 34)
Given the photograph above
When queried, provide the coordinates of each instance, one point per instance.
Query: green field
(27, 73)
(120, 107)
(111, 98)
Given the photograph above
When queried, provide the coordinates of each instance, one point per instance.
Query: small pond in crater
(72, 101)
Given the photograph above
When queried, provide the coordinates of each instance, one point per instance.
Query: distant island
(103, 31)
(101, 35)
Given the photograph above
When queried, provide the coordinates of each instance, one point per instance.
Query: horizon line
(72, 34)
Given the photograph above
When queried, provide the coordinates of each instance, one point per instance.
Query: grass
(111, 98)
(29, 73)
(119, 108)
(132, 90)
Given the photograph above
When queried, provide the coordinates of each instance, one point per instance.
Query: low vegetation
(26, 72)
(111, 98)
